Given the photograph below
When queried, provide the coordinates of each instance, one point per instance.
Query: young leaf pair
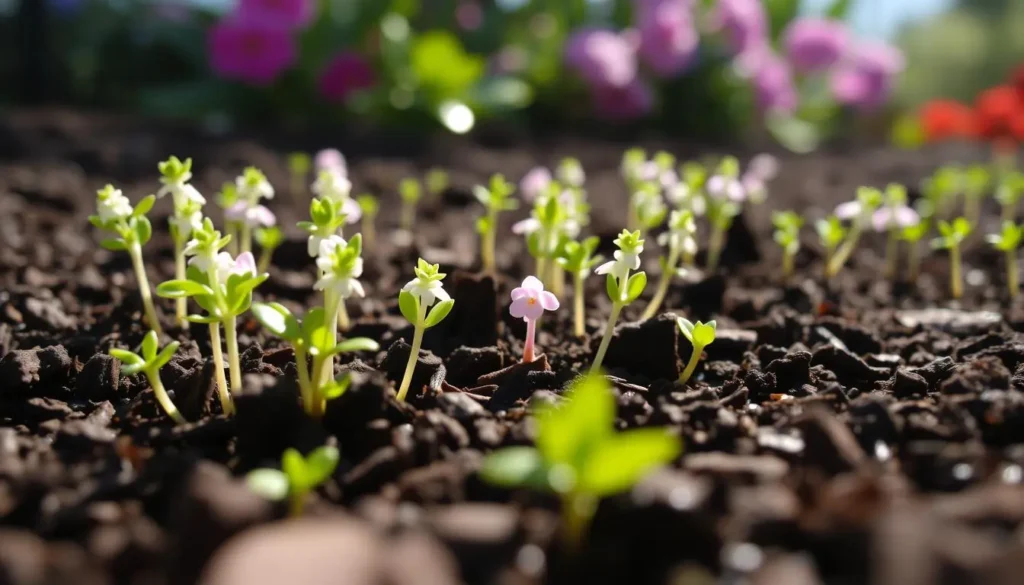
(414, 301)
(149, 363)
(297, 477)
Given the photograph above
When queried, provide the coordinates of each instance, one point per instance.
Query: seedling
(226, 200)
(251, 186)
(326, 219)
(150, 363)
(548, 228)
(578, 259)
(860, 211)
(700, 336)
(579, 456)
(1009, 192)
(529, 302)
(312, 338)
(411, 193)
(976, 181)
(1008, 240)
(340, 265)
(681, 242)
(269, 239)
(893, 218)
(436, 181)
(114, 213)
(622, 288)
(912, 235)
(688, 193)
(832, 232)
(495, 199)
(416, 297)
(940, 191)
(726, 194)
(332, 184)
(952, 235)
(649, 207)
(297, 477)
(187, 215)
(787, 235)
(299, 166)
(222, 286)
(570, 173)
(370, 207)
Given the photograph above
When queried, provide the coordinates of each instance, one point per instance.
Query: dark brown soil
(863, 433)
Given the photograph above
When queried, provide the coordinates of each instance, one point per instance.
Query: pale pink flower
(668, 37)
(252, 52)
(603, 58)
(331, 159)
(894, 217)
(534, 183)
(251, 215)
(529, 302)
(346, 73)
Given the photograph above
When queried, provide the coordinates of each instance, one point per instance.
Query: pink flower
(815, 44)
(288, 14)
(330, 159)
(624, 103)
(668, 37)
(245, 263)
(726, 188)
(252, 52)
(743, 22)
(534, 183)
(773, 84)
(346, 73)
(469, 15)
(894, 217)
(251, 215)
(866, 78)
(529, 302)
(603, 58)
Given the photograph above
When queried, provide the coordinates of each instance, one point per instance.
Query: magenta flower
(529, 302)
(744, 24)
(773, 84)
(815, 44)
(252, 52)
(624, 103)
(866, 78)
(603, 58)
(668, 37)
(347, 72)
(534, 183)
(288, 14)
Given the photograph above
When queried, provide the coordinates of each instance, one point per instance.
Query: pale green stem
(161, 396)
(698, 350)
(218, 370)
(305, 387)
(235, 368)
(607, 339)
(578, 306)
(667, 272)
(835, 264)
(488, 246)
(787, 264)
(542, 266)
(414, 352)
(1009, 211)
(892, 251)
(972, 208)
(231, 229)
(181, 304)
(956, 284)
(557, 280)
(296, 502)
(135, 251)
(715, 244)
(332, 308)
(344, 322)
(246, 237)
(1012, 273)
(577, 512)
(265, 257)
(913, 261)
(369, 232)
(408, 214)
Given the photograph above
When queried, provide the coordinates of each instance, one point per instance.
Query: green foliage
(1010, 188)
(787, 230)
(151, 359)
(310, 336)
(410, 191)
(269, 238)
(297, 477)
(174, 170)
(1009, 238)
(369, 205)
(300, 163)
(579, 257)
(436, 181)
(699, 334)
(915, 233)
(952, 234)
(831, 231)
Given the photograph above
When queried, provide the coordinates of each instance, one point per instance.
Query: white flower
(250, 215)
(526, 226)
(182, 193)
(325, 252)
(114, 206)
(254, 192)
(313, 244)
(345, 284)
(622, 264)
(330, 184)
(224, 264)
(184, 224)
(427, 292)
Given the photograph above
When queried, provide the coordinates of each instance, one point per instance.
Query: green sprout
(681, 243)
(952, 235)
(410, 192)
(862, 209)
(787, 236)
(570, 173)
(297, 477)
(226, 199)
(150, 363)
(1008, 240)
(912, 234)
(546, 230)
(370, 206)
(622, 288)
(578, 259)
(495, 199)
(416, 297)
(326, 220)
(222, 286)
(312, 338)
(299, 166)
(650, 208)
(689, 192)
(437, 182)
(114, 213)
(897, 216)
(339, 265)
(269, 239)
(940, 191)
(721, 214)
(251, 187)
(188, 214)
(976, 182)
(831, 232)
(700, 336)
(1008, 193)
(579, 456)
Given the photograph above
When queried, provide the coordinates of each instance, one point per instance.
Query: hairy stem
(1012, 273)
(231, 230)
(163, 398)
(607, 339)
(414, 353)
(579, 326)
(135, 251)
(692, 364)
(333, 305)
(266, 255)
(667, 272)
(234, 366)
(180, 305)
(956, 284)
(218, 370)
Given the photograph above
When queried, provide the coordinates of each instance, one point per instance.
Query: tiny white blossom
(184, 224)
(253, 193)
(114, 206)
(427, 291)
(622, 264)
(331, 184)
(343, 283)
(181, 192)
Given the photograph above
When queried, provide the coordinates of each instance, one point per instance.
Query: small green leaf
(356, 344)
(622, 459)
(438, 312)
(319, 466)
(515, 467)
(337, 387)
(114, 245)
(277, 319)
(612, 288)
(143, 229)
(409, 304)
(165, 355)
(635, 286)
(686, 328)
(271, 484)
(321, 339)
(143, 207)
(567, 431)
(313, 321)
(703, 333)
(128, 359)
(204, 319)
(149, 346)
(175, 289)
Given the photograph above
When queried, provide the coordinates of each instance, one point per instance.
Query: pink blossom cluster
(257, 43)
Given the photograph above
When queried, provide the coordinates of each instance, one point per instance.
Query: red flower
(997, 110)
(946, 119)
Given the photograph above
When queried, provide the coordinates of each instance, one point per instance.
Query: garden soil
(853, 432)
